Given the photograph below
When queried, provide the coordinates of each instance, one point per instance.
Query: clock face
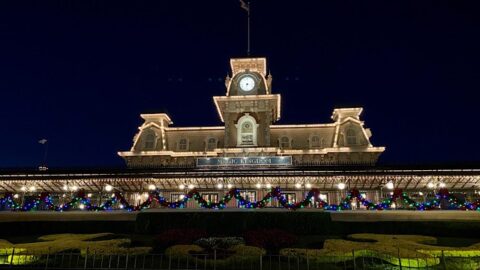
(247, 83)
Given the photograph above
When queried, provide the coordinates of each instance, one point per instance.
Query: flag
(42, 141)
(245, 5)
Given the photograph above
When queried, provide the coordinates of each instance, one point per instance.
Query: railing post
(215, 259)
(46, 260)
(13, 255)
(444, 262)
(86, 258)
(399, 259)
(261, 266)
(308, 262)
(353, 256)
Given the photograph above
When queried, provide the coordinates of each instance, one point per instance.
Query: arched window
(284, 142)
(150, 140)
(211, 143)
(247, 131)
(315, 141)
(351, 136)
(183, 144)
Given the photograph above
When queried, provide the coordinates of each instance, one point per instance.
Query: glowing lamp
(390, 185)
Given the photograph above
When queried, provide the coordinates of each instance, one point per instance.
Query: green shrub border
(236, 223)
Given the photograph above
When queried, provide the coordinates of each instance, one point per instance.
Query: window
(246, 131)
(351, 136)
(315, 141)
(176, 197)
(211, 143)
(150, 140)
(250, 196)
(284, 142)
(290, 197)
(210, 197)
(183, 145)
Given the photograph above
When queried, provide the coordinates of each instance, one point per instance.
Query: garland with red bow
(80, 201)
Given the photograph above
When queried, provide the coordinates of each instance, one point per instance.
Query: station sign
(244, 161)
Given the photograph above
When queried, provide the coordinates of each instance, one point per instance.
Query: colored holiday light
(82, 202)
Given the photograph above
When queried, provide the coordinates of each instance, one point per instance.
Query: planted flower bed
(414, 251)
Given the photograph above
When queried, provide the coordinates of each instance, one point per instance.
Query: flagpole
(248, 29)
(45, 153)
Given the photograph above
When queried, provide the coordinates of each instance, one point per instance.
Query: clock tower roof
(258, 65)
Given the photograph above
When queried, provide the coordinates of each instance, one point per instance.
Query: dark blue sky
(80, 73)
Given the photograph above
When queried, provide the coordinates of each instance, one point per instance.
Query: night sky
(80, 73)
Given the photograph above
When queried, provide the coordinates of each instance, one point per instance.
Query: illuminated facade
(249, 111)
(249, 152)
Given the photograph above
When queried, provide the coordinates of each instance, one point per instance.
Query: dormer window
(284, 142)
(247, 131)
(351, 136)
(183, 145)
(315, 141)
(150, 141)
(211, 143)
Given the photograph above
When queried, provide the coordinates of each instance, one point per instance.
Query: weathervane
(246, 7)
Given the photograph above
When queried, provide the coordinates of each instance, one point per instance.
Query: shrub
(182, 251)
(29, 252)
(178, 237)
(241, 254)
(272, 240)
(212, 243)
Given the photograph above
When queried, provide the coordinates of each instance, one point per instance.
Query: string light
(80, 201)
(298, 185)
(108, 188)
(308, 185)
(182, 186)
(390, 185)
(219, 185)
(152, 187)
(341, 186)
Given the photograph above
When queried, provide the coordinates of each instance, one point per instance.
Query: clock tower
(248, 108)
